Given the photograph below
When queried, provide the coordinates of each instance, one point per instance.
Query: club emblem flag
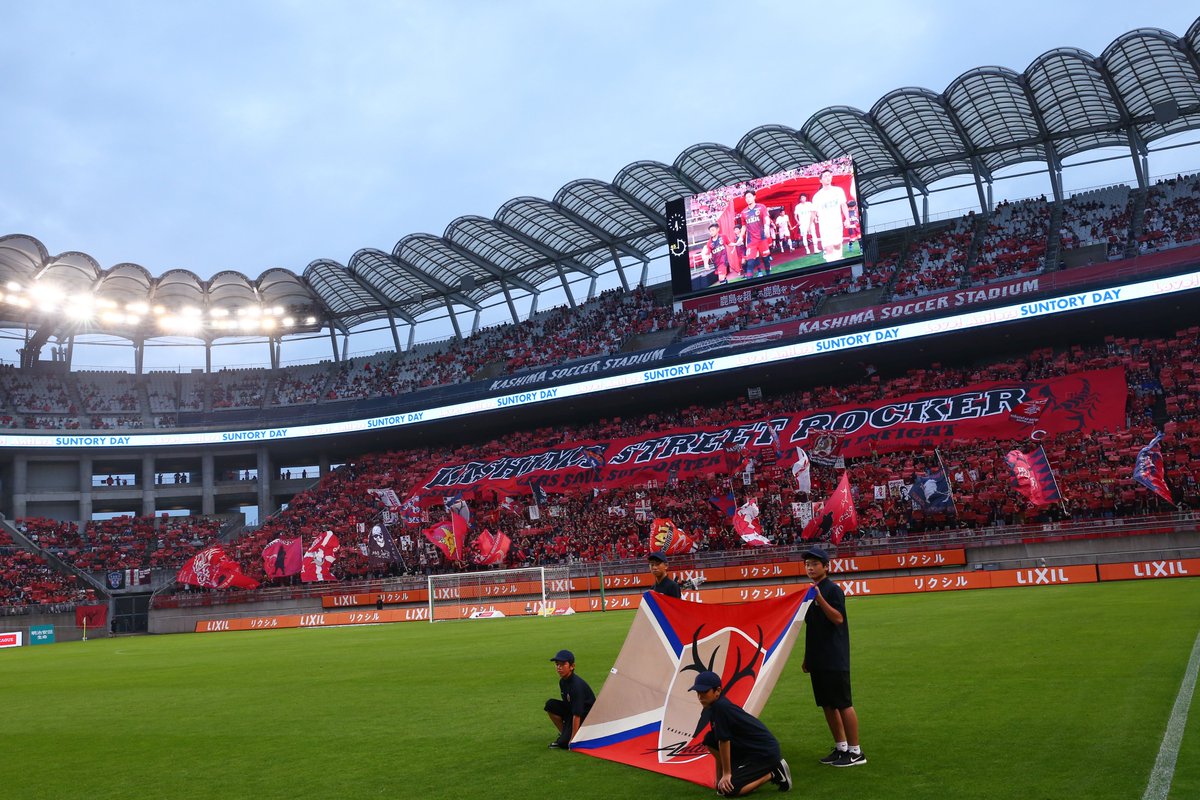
(211, 568)
(1032, 477)
(646, 717)
(319, 557)
(1148, 469)
(665, 537)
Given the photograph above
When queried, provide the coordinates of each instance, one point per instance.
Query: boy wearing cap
(747, 754)
(577, 700)
(663, 584)
(827, 660)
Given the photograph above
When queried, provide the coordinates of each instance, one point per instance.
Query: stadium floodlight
(219, 312)
(13, 286)
(268, 324)
(277, 311)
(139, 307)
(132, 319)
(190, 311)
(289, 322)
(310, 320)
(532, 591)
(112, 317)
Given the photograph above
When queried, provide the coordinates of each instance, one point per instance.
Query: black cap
(817, 553)
(657, 555)
(706, 681)
(564, 655)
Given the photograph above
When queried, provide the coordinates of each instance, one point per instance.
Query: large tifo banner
(1083, 401)
(646, 717)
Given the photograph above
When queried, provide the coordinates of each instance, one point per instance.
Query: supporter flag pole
(85, 628)
(602, 603)
(949, 488)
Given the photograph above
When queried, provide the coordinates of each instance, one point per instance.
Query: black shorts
(560, 709)
(747, 772)
(831, 688)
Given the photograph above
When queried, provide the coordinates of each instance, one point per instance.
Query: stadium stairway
(977, 232)
(1054, 239)
(143, 394)
(1137, 220)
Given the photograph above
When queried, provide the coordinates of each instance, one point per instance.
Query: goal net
(532, 591)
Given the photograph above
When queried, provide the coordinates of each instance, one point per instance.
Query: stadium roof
(1144, 86)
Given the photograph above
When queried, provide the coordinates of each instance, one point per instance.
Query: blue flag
(931, 492)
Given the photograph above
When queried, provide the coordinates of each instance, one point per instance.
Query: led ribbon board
(1048, 307)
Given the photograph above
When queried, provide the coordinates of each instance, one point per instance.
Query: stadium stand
(1092, 471)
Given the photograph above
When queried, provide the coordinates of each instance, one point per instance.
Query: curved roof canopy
(1143, 87)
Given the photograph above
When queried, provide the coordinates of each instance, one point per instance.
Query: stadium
(1004, 400)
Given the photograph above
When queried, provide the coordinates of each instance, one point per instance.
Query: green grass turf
(1049, 692)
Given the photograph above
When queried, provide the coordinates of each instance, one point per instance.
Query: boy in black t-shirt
(577, 700)
(746, 753)
(827, 660)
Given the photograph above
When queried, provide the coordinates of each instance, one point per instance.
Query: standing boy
(663, 583)
(827, 660)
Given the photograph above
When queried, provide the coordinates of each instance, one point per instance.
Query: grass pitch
(1048, 692)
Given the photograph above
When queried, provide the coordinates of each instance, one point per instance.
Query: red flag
(746, 523)
(491, 549)
(1028, 412)
(837, 517)
(319, 558)
(282, 558)
(91, 616)
(1032, 477)
(667, 539)
(447, 539)
(211, 568)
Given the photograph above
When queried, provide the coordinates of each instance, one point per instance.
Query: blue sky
(250, 135)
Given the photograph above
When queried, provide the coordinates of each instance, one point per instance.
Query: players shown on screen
(806, 217)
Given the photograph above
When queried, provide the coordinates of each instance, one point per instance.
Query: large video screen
(802, 219)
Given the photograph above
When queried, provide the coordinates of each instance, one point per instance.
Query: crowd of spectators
(935, 262)
(1013, 242)
(1172, 216)
(1092, 470)
(1099, 217)
(124, 542)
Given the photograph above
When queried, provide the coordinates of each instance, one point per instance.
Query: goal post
(530, 591)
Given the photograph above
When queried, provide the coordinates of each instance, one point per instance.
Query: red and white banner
(837, 516)
(1083, 401)
(646, 717)
(211, 568)
(491, 549)
(317, 563)
(747, 526)
(668, 539)
(10, 639)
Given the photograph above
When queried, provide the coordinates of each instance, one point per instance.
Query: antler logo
(730, 653)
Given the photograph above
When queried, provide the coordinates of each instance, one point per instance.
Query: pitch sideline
(1159, 786)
